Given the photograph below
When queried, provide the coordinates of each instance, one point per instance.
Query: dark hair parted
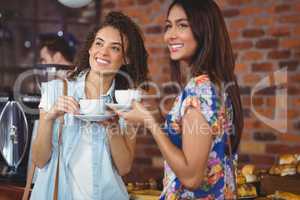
(135, 54)
(214, 55)
(55, 43)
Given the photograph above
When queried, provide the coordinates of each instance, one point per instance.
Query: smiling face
(179, 36)
(106, 52)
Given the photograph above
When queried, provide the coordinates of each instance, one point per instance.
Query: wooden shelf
(270, 183)
(10, 191)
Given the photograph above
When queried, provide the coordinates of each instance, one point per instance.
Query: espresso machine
(13, 140)
(17, 124)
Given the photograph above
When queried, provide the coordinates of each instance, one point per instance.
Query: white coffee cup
(92, 106)
(125, 97)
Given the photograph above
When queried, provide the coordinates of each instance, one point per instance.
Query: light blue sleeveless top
(107, 184)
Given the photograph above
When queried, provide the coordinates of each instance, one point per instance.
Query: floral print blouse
(218, 183)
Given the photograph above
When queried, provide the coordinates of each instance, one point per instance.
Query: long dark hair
(136, 52)
(213, 56)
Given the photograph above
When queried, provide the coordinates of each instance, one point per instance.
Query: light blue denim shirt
(107, 184)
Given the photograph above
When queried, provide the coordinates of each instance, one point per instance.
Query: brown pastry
(248, 169)
(130, 187)
(287, 159)
(298, 168)
(275, 170)
(288, 169)
(247, 190)
(240, 179)
(283, 170)
(259, 172)
(285, 196)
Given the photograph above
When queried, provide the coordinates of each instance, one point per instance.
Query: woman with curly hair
(202, 131)
(93, 156)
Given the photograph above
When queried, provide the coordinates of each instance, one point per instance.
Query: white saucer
(119, 106)
(95, 118)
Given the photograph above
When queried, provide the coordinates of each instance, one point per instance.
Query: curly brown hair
(136, 52)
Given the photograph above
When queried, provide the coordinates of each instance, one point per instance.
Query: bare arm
(41, 148)
(189, 163)
(122, 146)
(42, 145)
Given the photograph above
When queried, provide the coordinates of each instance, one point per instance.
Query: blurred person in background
(57, 51)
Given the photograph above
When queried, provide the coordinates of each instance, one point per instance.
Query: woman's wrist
(113, 129)
(50, 117)
(150, 123)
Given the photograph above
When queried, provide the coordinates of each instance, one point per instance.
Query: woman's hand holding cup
(64, 104)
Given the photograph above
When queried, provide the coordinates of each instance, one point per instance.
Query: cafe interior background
(265, 35)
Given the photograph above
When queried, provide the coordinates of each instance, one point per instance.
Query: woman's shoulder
(202, 78)
(200, 84)
(79, 77)
(59, 81)
(52, 84)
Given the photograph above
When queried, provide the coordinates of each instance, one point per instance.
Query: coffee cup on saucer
(92, 106)
(125, 97)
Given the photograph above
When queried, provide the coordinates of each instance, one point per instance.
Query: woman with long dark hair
(202, 132)
(93, 156)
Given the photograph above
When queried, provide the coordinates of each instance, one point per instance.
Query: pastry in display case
(279, 195)
(284, 175)
(287, 165)
(247, 182)
(283, 169)
(247, 191)
(248, 173)
(144, 190)
(289, 159)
